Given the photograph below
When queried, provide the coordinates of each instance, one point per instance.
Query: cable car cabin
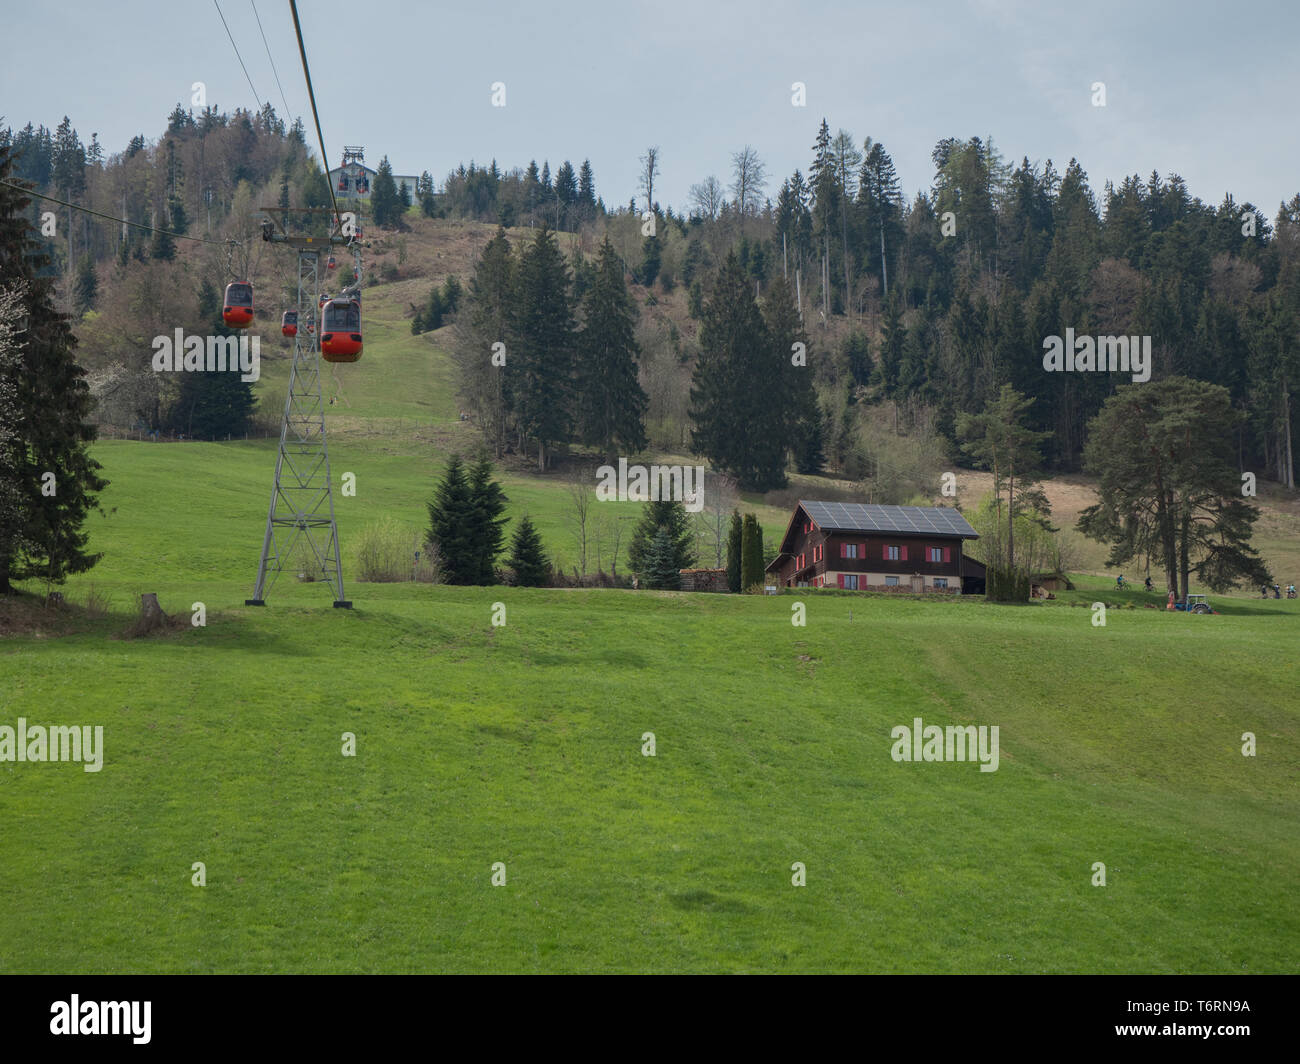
(330, 263)
(237, 309)
(289, 323)
(340, 331)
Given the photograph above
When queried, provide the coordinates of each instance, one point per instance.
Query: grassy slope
(522, 744)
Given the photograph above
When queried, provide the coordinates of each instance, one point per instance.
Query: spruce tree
(488, 503)
(651, 259)
(485, 387)
(751, 553)
(661, 571)
(611, 404)
(86, 287)
(801, 429)
(670, 518)
(385, 206)
(735, 546)
(42, 536)
(452, 525)
(527, 558)
(737, 407)
(542, 336)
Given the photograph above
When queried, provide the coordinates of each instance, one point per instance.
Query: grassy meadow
(522, 744)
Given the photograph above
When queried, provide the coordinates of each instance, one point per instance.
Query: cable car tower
(302, 501)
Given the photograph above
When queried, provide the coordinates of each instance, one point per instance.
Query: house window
(941, 583)
(850, 550)
(893, 554)
(851, 581)
(935, 553)
(891, 581)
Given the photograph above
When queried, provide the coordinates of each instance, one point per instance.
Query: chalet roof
(871, 517)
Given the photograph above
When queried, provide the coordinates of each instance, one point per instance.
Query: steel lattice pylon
(302, 502)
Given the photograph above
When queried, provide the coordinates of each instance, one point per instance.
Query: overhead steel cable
(311, 96)
(287, 113)
(120, 221)
(237, 55)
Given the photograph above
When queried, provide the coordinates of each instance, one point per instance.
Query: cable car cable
(237, 55)
(288, 114)
(311, 96)
(120, 221)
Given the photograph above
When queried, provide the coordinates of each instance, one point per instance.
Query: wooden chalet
(868, 547)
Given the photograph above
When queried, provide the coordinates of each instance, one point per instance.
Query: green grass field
(522, 744)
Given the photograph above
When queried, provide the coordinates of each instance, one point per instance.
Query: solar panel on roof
(875, 517)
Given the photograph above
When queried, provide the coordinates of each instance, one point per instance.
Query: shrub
(386, 551)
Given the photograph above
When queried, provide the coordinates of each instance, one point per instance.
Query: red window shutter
(884, 552)
(841, 577)
(843, 550)
(904, 552)
(947, 554)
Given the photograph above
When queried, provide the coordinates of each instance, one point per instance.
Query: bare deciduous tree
(649, 171)
(581, 497)
(713, 522)
(749, 177)
(706, 197)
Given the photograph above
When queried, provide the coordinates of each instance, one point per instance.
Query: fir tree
(660, 567)
(739, 417)
(86, 286)
(527, 558)
(651, 259)
(452, 525)
(43, 535)
(611, 404)
(488, 503)
(667, 517)
(385, 205)
(542, 335)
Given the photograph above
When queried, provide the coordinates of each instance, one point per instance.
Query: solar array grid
(872, 517)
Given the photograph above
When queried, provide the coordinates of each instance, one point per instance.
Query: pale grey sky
(1204, 89)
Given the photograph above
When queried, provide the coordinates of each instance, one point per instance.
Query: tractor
(1194, 604)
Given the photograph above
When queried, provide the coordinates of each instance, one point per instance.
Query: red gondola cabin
(289, 323)
(340, 331)
(237, 310)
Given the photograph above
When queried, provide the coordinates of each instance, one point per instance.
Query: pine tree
(661, 571)
(487, 526)
(385, 206)
(542, 335)
(451, 525)
(611, 404)
(43, 534)
(751, 553)
(670, 518)
(527, 558)
(735, 547)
